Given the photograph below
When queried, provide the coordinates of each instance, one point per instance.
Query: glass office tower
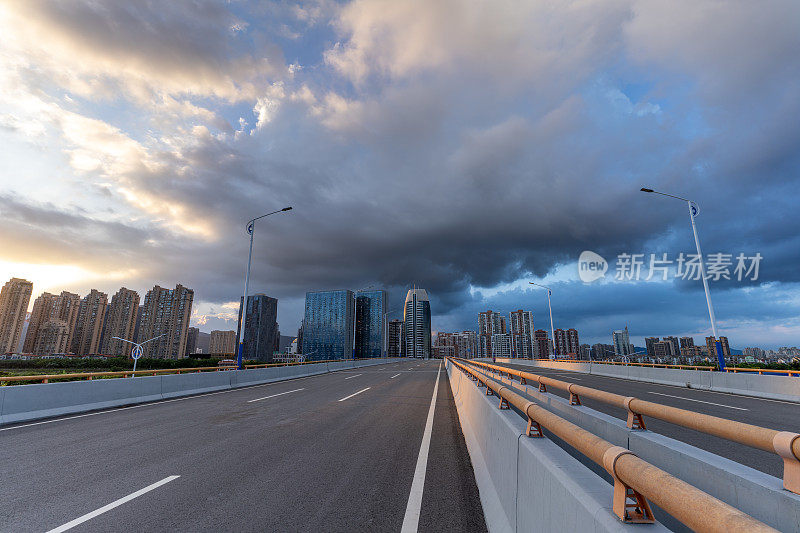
(328, 325)
(261, 331)
(417, 324)
(371, 309)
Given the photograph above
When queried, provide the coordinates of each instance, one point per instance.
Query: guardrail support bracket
(630, 506)
(783, 443)
(635, 421)
(542, 387)
(503, 403)
(489, 392)
(534, 429)
(574, 399)
(523, 381)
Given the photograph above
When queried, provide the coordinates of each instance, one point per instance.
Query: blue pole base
(720, 357)
(239, 356)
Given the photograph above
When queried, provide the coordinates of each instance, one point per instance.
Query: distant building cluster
(341, 324)
(66, 324)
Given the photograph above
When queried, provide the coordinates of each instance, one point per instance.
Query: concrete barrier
(24, 403)
(784, 388)
(528, 484)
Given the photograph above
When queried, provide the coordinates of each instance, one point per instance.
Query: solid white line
(351, 377)
(105, 508)
(700, 401)
(394, 376)
(272, 396)
(411, 518)
(354, 394)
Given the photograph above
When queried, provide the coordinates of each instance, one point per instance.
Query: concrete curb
(26, 403)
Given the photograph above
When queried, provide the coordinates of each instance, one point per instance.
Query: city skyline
(334, 107)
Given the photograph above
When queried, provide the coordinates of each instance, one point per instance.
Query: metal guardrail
(635, 480)
(784, 443)
(623, 363)
(731, 369)
(46, 378)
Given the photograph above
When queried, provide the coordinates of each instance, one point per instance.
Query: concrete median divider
(25, 403)
(528, 484)
(771, 387)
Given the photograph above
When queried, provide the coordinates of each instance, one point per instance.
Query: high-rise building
(585, 352)
(662, 349)
(300, 338)
(463, 344)
(121, 322)
(66, 309)
(395, 341)
(622, 343)
(712, 349)
(42, 311)
(165, 315)
(222, 342)
(192, 335)
(566, 343)
(543, 345)
(89, 327)
(52, 338)
(502, 345)
(14, 299)
(687, 346)
(328, 325)
(674, 346)
(417, 324)
(560, 342)
(573, 343)
(648, 342)
(371, 307)
(522, 333)
(489, 323)
(261, 336)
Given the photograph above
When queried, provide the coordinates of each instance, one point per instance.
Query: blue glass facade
(328, 325)
(370, 331)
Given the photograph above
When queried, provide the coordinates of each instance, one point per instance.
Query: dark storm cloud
(462, 148)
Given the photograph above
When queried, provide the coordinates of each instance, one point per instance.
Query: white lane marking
(411, 518)
(159, 402)
(354, 394)
(699, 401)
(394, 376)
(273, 395)
(351, 377)
(117, 503)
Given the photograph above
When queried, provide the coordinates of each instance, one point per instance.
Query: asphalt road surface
(773, 414)
(336, 452)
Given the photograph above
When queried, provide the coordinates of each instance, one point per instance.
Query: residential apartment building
(41, 313)
(165, 318)
(89, 325)
(14, 299)
(121, 322)
(222, 343)
(489, 323)
(543, 344)
(394, 346)
(522, 334)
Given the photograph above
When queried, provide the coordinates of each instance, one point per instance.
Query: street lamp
(136, 351)
(693, 212)
(552, 331)
(250, 228)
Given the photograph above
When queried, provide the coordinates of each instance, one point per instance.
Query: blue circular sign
(136, 353)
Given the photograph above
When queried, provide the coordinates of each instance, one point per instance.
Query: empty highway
(773, 414)
(372, 449)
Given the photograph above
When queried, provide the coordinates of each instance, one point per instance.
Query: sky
(463, 147)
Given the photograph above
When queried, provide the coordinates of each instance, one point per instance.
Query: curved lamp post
(136, 352)
(552, 331)
(694, 210)
(250, 228)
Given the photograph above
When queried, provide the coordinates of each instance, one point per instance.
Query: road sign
(136, 353)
